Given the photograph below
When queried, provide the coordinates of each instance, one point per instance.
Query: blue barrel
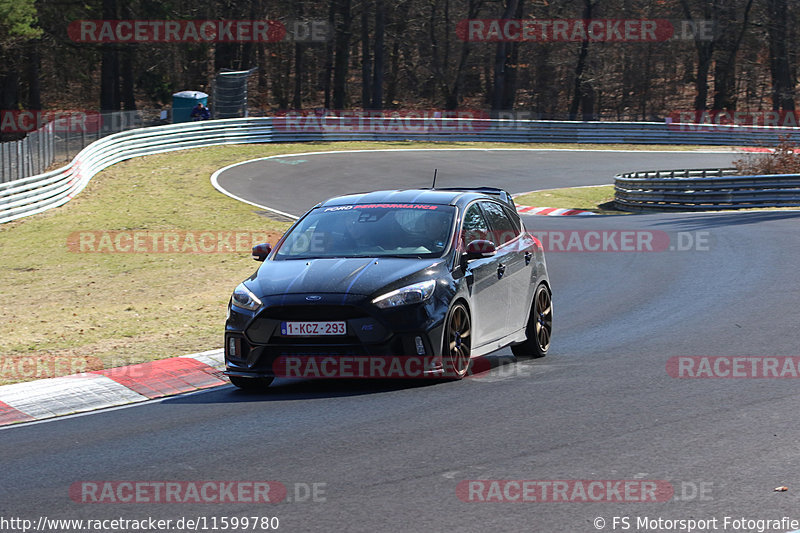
(183, 103)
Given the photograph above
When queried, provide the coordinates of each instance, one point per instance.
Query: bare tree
(584, 94)
(448, 70)
(377, 73)
(781, 69)
(341, 61)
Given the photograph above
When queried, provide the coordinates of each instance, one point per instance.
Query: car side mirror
(478, 249)
(261, 251)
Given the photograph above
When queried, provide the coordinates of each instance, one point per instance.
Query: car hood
(363, 276)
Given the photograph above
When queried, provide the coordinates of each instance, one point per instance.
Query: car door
(515, 254)
(489, 293)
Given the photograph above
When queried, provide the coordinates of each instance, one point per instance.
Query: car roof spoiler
(503, 195)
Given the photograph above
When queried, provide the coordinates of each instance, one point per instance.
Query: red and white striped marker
(552, 211)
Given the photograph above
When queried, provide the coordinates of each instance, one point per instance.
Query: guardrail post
(52, 143)
(39, 155)
(19, 158)
(26, 155)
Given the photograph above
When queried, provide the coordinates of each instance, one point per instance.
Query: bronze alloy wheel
(458, 342)
(540, 326)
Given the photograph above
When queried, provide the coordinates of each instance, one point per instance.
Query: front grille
(313, 312)
(262, 359)
(326, 339)
(315, 350)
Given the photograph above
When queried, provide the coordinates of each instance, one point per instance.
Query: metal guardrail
(38, 193)
(61, 137)
(703, 189)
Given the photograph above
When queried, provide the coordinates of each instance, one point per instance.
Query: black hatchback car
(408, 283)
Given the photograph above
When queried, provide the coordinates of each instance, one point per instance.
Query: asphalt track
(600, 406)
(294, 184)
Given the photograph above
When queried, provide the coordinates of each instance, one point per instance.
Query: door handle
(528, 257)
(501, 269)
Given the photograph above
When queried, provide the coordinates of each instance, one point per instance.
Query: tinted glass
(475, 226)
(503, 227)
(374, 230)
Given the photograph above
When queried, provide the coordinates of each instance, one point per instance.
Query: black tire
(251, 384)
(457, 342)
(540, 326)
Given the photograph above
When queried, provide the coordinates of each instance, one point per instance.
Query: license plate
(312, 329)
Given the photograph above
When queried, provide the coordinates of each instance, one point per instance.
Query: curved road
(600, 406)
(294, 184)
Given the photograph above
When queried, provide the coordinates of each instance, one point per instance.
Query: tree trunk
(583, 91)
(440, 54)
(500, 62)
(328, 70)
(366, 60)
(34, 85)
(725, 66)
(394, 70)
(783, 79)
(398, 28)
(511, 69)
(127, 94)
(299, 65)
(342, 58)
(705, 52)
(109, 69)
(377, 73)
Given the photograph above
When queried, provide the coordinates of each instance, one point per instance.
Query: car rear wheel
(251, 384)
(457, 342)
(540, 325)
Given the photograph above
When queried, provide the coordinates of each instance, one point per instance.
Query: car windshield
(370, 230)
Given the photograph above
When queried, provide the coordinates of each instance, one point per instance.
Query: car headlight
(412, 294)
(244, 298)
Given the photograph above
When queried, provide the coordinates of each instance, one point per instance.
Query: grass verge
(599, 199)
(63, 311)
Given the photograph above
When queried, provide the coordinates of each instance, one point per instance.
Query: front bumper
(401, 342)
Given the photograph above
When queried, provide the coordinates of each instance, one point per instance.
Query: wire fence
(58, 141)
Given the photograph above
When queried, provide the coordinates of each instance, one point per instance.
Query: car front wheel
(540, 325)
(457, 342)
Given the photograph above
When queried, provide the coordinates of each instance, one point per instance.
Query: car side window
(504, 228)
(474, 226)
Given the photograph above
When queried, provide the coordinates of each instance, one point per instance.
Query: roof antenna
(435, 170)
